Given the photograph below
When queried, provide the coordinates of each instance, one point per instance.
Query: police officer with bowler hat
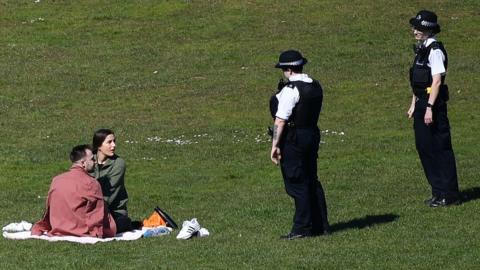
(295, 141)
(429, 111)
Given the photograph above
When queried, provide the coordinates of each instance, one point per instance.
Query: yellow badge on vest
(429, 89)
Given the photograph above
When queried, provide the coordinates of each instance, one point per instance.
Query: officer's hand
(275, 155)
(410, 111)
(428, 119)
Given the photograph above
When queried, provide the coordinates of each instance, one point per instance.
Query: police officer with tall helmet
(429, 111)
(295, 141)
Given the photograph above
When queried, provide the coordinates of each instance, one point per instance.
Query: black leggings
(124, 223)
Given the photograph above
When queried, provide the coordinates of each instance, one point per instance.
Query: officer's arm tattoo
(275, 132)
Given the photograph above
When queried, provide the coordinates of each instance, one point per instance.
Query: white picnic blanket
(26, 234)
(126, 236)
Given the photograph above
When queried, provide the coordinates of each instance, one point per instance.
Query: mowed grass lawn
(185, 86)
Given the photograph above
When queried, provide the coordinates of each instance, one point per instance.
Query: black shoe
(322, 232)
(443, 202)
(430, 200)
(326, 232)
(293, 236)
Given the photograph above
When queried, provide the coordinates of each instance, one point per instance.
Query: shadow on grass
(470, 194)
(364, 222)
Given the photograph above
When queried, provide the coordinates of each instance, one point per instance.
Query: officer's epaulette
(290, 85)
(436, 45)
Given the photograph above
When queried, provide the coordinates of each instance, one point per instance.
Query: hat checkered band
(427, 24)
(294, 63)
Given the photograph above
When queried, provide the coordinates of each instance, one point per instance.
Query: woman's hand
(411, 110)
(428, 119)
(412, 107)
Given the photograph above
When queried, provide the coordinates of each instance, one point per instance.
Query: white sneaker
(18, 227)
(203, 232)
(188, 229)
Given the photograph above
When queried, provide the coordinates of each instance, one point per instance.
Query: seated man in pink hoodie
(75, 204)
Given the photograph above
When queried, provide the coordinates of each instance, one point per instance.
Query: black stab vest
(274, 104)
(421, 73)
(306, 112)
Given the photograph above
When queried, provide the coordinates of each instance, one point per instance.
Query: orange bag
(154, 220)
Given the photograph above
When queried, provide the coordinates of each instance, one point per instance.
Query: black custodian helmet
(425, 21)
(290, 58)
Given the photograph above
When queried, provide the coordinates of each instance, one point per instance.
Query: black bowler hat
(425, 21)
(290, 58)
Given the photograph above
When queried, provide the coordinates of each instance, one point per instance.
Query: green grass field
(185, 85)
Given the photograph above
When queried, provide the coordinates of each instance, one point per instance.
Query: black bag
(170, 222)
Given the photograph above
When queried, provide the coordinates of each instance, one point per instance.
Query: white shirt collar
(300, 77)
(429, 41)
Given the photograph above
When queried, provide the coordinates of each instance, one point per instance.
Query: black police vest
(306, 112)
(274, 104)
(274, 100)
(421, 73)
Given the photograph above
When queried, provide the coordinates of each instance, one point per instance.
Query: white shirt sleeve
(435, 60)
(287, 99)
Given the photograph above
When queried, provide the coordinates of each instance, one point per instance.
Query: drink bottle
(156, 232)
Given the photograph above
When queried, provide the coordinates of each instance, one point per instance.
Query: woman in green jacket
(110, 172)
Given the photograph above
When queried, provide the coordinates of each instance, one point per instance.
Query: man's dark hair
(99, 137)
(296, 69)
(79, 152)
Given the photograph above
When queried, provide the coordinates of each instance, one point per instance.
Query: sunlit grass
(185, 86)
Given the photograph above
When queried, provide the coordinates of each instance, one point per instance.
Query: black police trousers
(299, 151)
(434, 147)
